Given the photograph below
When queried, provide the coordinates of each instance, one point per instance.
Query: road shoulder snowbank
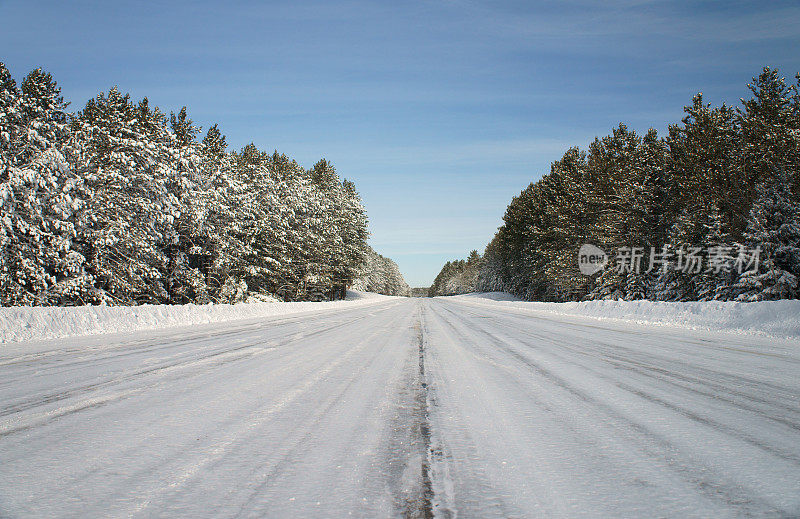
(771, 318)
(25, 324)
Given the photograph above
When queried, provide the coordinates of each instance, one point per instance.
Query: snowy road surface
(403, 407)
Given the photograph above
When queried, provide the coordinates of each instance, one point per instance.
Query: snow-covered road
(402, 407)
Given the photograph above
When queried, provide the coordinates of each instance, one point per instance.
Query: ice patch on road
(772, 318)
(24, 323)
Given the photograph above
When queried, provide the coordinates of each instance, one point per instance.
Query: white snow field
(445, 407)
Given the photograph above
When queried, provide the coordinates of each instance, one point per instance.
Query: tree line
(121, 204)
(457, 277)
(381, 275)
(722, 188)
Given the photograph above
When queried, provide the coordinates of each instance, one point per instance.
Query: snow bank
(24, 323)
(773, 318)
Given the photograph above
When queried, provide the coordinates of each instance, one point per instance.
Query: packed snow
(544, 415)
(388, 407)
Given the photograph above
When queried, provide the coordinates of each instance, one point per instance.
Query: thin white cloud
(579, 23)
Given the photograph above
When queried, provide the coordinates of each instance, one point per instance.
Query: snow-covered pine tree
(566, 196)
(705, 198)
(11, 124)
(490, 276)
(717, 276)
(610, 284)
(186, 282)
(774, 227)
(628, 173)
(458, 277)
(678, 281)
(706, 165)
(327, 227)
(308, 232)
(213, 209)
(258, 247)
(524, 224)
(354, 238)
(128, 166)
(380, 275)
(770, 122)
(40, 197)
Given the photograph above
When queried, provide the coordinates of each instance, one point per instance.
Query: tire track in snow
(239, 436)
(665, 376)
(184, 360)
(731, 494)
(421, 505)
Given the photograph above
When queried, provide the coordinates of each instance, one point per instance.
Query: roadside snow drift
(773, 318)
(24, 323)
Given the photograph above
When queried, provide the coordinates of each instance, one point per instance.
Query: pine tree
(10, 128)
(706, 164)
(212, 206)
(260, 247)
(39, 196)
(678, 281)
(380, 275)
(129, 168)
(774, 227)
(715, 279)
(121, 204)
(186, 280)
(769, 123)
(354, 239)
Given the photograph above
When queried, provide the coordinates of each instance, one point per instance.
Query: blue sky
(439, 111)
